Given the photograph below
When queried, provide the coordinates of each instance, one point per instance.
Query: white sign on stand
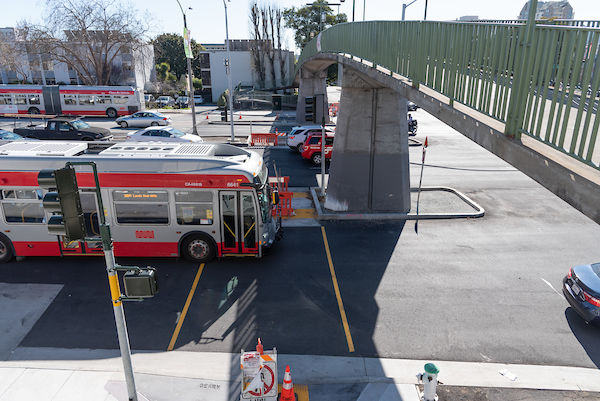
(259, 375)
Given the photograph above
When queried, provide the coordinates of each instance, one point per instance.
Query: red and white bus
(112, 101)
(191, 200)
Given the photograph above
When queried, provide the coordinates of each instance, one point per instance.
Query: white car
(198, 99)
(295, 139)
(165, 100)
(162, 134)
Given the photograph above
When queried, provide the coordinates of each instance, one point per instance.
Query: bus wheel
(198, 249)
(6, 252)
(33, 110)
(112, 113)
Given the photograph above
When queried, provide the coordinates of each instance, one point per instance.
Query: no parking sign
(259, 375)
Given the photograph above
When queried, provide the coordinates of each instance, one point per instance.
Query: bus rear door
(239, 222)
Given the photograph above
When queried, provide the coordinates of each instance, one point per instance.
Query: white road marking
(553, 289)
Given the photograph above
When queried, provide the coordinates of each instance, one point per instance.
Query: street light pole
(189, 68)
(404, 8)
(230, 102)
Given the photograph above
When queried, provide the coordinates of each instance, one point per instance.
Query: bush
(222, 102)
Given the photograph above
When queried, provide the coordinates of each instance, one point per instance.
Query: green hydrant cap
(431, 369)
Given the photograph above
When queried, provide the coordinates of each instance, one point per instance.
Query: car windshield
(176, 132)
(78, 124)
(9, 135)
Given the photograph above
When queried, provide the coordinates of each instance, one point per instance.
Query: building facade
(136, 69)
(549, 10)
(243, 70)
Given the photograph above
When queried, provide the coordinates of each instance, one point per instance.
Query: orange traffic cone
(276, 132)
(240, 117)
(207, 116)
(287, 391)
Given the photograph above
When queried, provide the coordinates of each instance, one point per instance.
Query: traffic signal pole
(115, 291)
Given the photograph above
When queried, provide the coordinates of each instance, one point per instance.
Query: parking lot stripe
(185, 308)
(337, 293)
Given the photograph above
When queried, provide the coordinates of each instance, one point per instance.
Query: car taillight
(591, 299)
(292, 137)
(164, 119)
(570, 273)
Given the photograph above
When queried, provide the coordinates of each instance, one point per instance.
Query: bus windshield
(264, 194)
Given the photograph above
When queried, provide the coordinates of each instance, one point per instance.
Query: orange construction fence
(263, 139)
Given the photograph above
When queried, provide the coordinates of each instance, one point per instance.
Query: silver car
(162, 134)
(143, 119)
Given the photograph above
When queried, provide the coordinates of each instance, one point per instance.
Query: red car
(312, 148)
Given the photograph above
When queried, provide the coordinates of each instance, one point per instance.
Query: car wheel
(123, 124)
(112, 113)
(33, 110)
(154, 123)
(6, 252)
(316, 158)
(198, 248)
(300, 147)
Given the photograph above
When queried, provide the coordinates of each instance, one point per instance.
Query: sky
(206, 20)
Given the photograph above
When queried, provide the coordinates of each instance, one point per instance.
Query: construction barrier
(283, 182)
(285, 204)
(263, 139)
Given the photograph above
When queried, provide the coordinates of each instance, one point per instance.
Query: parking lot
(480, 289)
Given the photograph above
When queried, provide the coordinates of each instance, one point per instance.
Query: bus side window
(141, 206)
(194, 207)
(70, 99)
(34, 99)
(23, 206)
(5, 99)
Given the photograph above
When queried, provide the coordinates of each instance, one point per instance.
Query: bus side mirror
(275, 197)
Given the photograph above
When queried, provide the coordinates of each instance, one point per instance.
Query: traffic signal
(310, 102)
(63, 202)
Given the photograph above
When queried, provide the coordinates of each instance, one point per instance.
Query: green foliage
(197, 83)
(306, 21)
(162, 71)
(168, 47)
(222, 101)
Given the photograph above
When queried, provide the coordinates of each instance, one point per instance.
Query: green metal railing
(544, 84)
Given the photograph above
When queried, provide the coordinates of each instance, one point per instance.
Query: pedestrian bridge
(527, 92)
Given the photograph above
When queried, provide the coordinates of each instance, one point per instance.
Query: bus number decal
(233, 184)
(144, 234)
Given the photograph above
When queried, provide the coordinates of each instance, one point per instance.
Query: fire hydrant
(429, 380)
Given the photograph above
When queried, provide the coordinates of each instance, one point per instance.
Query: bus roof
(126, 157)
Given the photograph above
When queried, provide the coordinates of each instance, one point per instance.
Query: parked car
(165, 101)
(7, 136)
(312, 147)
(143, 119)
(411, 106)
(198, 99)
(148, 98)
(581, 287)
(182, 102)
(162, 134)
(295, 139)
(65, 128)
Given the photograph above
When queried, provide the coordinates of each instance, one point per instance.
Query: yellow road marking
(301, 194)
(301, 390)
(337, 293)
(185, 309)
(304, 214)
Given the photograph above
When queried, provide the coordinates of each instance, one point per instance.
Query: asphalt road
(480, 290)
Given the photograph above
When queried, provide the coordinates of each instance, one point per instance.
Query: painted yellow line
(337, 293)
(301, 194)
(300, 390)
(304, 214)
(185, 309)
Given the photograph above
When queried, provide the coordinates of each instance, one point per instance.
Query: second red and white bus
(112, 101)
(197, 201)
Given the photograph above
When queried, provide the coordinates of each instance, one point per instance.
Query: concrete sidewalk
(65, 374)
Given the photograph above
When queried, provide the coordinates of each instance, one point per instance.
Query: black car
(581, 288)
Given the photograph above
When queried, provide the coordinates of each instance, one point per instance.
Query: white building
(135, 69)
(549, 10)
(214, 73)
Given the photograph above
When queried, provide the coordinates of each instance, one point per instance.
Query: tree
(168, 47)
(162, 71)
(266, 31)
(197, 83)
(88, 35)
(13, 55)
(306, 21)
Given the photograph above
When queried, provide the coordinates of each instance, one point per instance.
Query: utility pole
(188, 56)
(228, 66)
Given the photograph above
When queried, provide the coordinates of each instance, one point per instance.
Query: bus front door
(239, 231)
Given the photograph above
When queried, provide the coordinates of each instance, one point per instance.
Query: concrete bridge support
(311, 83)
(370, 166)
